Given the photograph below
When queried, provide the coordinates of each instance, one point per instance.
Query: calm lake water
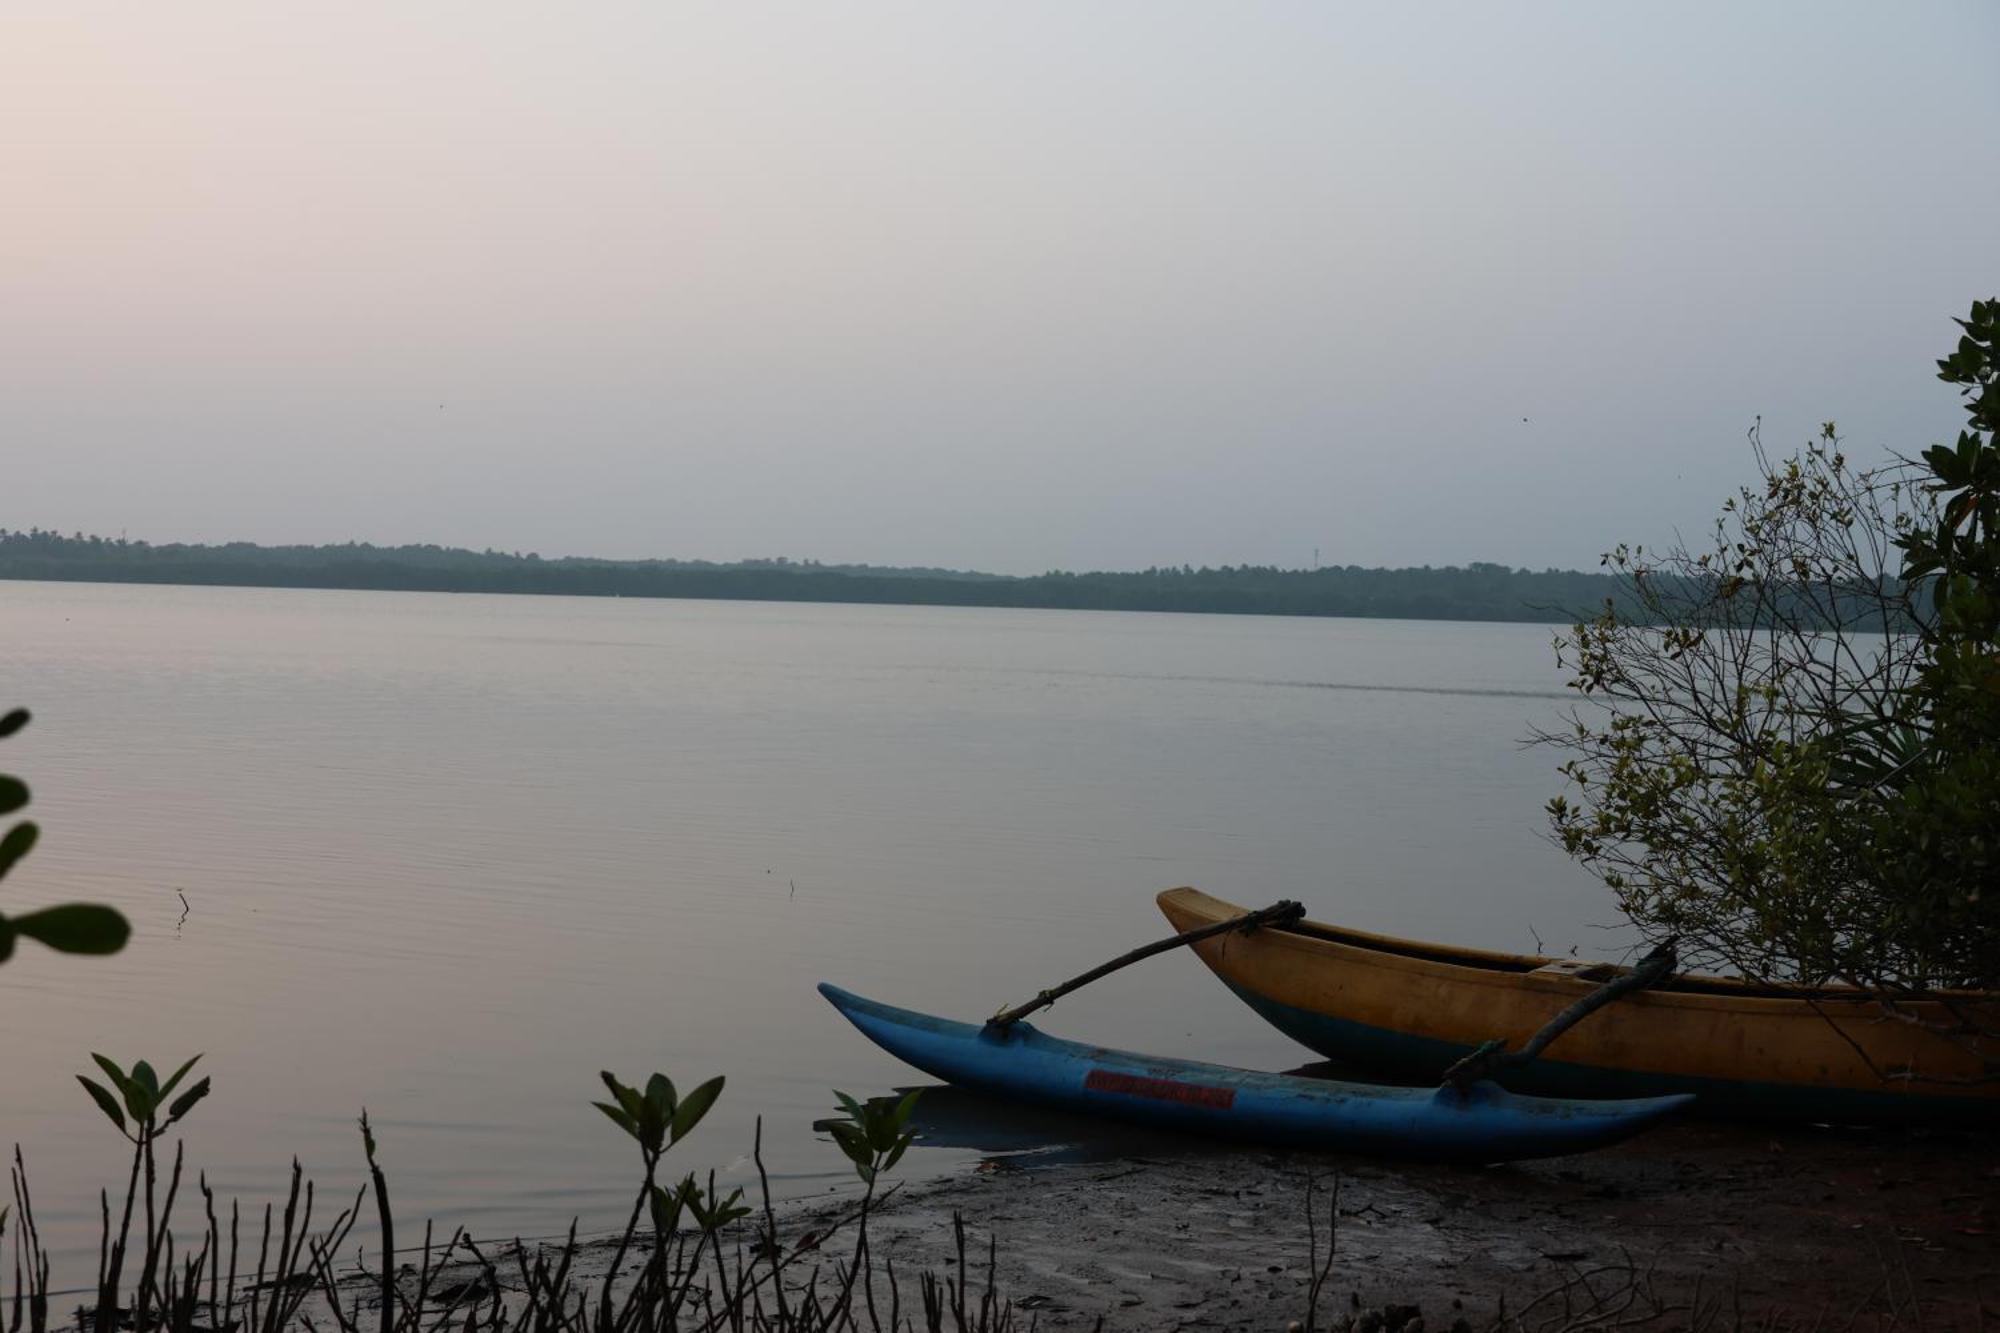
(446, 857)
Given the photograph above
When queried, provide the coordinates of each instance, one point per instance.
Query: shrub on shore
(1788, 760)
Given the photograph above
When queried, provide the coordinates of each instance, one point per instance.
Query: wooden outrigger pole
(1282, 913)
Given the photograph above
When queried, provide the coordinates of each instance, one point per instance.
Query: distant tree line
(1480, 591)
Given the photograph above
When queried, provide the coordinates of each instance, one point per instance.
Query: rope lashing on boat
(1282, 913)
(1490, 1057)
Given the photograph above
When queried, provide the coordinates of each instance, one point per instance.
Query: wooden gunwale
(1516, 966)
(1413, 1008)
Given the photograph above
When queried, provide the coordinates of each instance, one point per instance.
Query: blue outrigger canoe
(1483, 1124)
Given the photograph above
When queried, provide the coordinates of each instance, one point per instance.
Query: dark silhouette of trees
(1480, 591)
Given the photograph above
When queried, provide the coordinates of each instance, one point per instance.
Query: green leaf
(715, 1213)
(105, 1101)
(660, 1092)
(19, 841)
(13, 722)
(695, 1106)
(896, 1153)
(181, 1073)
(6, 939)
(13, 794)
(77, 928)
(849, 1105)
(665, 1206)
(143, 1075)
(907, 1105)
(881, 1128)
(852, 1142)
(619, 1117)
(652, 1125)
(117, 1075)
(633, 1103)
(186, 1102)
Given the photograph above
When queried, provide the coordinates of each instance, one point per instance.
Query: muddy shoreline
(1705, 1224)
(1698, 1225)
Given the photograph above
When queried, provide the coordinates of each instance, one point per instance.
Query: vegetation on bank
(1478, 591)
(1763, 775)
(702, 1260)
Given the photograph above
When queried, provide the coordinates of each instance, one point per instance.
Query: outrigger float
(1481, 1123)
(1468, 1119)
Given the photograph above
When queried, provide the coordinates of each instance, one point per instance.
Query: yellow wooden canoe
(1411, 1009)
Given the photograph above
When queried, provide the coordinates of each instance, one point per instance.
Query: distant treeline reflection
(1478, 591)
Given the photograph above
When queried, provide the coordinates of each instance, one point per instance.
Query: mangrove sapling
(656, 1119)
(298, 1281)
(712, 1212)
(874, 1135)
(141, 1096)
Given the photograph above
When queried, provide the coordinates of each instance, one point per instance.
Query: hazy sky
(1011, 286)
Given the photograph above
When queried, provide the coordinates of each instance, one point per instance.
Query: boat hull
(1484, 1124)
(1411, 1010)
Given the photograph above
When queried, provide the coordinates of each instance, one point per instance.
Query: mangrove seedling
(709, 1208)
(874, 1134)
(656, 1119)
(136, 1112)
